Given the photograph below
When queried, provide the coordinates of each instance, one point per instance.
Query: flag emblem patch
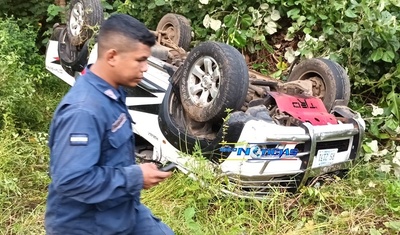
(79, 139)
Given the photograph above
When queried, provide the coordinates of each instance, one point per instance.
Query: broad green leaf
(349, 27)
(374, 130)
(189, 213)
(264, 6)
(106, 5)
(394, 104)
(373, 231)
(354, 3)
(194, 227)
(277, 74)
(256, 66)
(267, 19)
(323, 17)
(206, 21)
(290, 55)
(264, 71)
(215, 24)
(238, 39)
(229, 21)
(231, 31)
(218, 33)
(395, 44)
(259, 37)
(388, 56)
(256, 15)
(258, 22)
(372, 41)
(391, 126)
(271, 27)
(294, 13)
(338, 6)
(377, 54)
(301, 19)
(386, 16)
(251, 48)
(395, 225)
(281, 65)
(329, 30)
(275, 15)
(250, 33)
(160, 2)
(246, 21)
(395, 2)
(350, 13)
(307, 30)
(367, 149)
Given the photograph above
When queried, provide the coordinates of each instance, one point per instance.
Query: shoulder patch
(119, 122)
(78, 139)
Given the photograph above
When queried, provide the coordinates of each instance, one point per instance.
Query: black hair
(126, 26)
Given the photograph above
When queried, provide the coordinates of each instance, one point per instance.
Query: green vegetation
(28, 96)
(364, 203)
(362, 35)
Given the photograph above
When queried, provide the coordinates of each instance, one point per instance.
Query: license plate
(324, 157)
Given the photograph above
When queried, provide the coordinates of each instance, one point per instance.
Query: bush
(33, 12)
(363, 36)
(21, 73)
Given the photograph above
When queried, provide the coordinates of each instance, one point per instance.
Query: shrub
(363, 36)
(21, 72)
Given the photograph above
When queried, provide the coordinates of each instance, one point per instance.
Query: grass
(23, 183)
(365, 202)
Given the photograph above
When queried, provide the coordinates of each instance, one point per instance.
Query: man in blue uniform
(96, 184)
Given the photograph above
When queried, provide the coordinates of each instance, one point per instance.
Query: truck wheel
(72, 57)
(57, 29)
(186, 135)
(83, 15)
(176, 28)
(215, 77)
(330, 81)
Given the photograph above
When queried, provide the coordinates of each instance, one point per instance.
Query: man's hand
(151, 175)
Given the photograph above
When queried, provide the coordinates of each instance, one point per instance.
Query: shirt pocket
(120, 151)
(120, 136)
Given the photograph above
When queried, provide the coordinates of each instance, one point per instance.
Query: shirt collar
(103, 86)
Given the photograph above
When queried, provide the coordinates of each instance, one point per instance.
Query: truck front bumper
(256, 178)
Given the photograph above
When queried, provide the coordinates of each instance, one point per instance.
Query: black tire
(57, 29)
(227, 90)
(72, 57)
(83, 15)
(177, 28)
(174, 126)
(336, 83)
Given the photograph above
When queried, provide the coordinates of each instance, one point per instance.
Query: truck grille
(341, 145)
(261, 188)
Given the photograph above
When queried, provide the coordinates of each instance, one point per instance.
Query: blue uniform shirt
(96, 185)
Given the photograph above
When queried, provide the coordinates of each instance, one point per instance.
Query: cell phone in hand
(169, 167)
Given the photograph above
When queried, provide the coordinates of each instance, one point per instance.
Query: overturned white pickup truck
(276, 134)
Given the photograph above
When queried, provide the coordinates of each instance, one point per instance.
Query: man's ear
(111, 57)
